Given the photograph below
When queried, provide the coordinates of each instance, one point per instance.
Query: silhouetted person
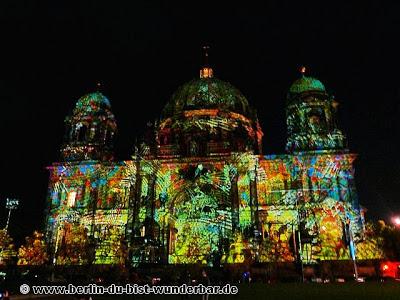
(204, 280)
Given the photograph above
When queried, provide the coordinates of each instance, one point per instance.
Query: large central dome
(207, 93)
(207, 117)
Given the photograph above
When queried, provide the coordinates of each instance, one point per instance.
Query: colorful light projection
(313, 194)
(198, 190)
(233, 210)
(207, 132)
(209, 211)
(93, 200)
(204, 210)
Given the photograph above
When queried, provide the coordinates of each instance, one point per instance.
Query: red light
(385, 267)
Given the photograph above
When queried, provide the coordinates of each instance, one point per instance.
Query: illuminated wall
(94, 197)
(197, 211)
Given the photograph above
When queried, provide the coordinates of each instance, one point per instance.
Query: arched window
(92, 134)
(193, 148)
(82, 133)
(68, 133)
(109, 136)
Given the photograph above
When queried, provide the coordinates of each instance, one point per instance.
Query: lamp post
(11, 204)
(352, 247)
(300, 250)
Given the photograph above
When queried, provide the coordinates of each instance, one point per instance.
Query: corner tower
(311, 117)
(90, 130)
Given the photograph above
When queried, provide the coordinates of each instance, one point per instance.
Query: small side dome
(92, 102)
(306, 84)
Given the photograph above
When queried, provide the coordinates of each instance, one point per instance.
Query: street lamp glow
(11, 204)
(396, 221)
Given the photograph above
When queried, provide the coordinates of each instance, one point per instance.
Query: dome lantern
(206, 71)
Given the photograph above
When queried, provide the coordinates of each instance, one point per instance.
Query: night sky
(53, 53)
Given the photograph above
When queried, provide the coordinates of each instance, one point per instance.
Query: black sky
(141, 51)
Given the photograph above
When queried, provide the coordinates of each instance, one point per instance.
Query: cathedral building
(198, 188)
